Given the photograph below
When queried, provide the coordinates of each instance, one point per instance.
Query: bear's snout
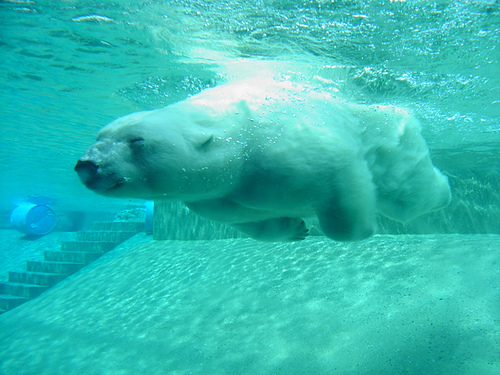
(87, 171)
(97, 180)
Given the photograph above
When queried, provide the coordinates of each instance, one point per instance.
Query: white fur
(260, 155)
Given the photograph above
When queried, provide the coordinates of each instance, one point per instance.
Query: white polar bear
(261, 154)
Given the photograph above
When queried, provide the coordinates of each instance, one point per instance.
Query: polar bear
(261, 155)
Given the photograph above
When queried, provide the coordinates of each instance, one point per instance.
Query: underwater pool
(403, 302)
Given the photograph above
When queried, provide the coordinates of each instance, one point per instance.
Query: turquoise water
(425, 304)
(68, 68)
(410, 305)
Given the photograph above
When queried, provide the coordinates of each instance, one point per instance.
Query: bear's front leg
(283, 229)
(254, 223)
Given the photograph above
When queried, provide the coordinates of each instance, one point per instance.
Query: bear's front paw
(283, 229)
(298, 230)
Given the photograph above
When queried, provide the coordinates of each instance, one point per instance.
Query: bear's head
(160, 154)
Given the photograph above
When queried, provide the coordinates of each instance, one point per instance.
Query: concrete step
(71, 256)
(119, 226)
(36, 278)
(88, 246)
(22, 290)
(64, 268)
(108, 236)
(8, 302)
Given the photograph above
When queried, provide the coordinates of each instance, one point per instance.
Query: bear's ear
(205, 141)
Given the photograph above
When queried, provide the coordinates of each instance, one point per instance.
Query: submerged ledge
(408, 304)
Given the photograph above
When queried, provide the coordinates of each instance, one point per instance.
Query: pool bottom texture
(388, 305)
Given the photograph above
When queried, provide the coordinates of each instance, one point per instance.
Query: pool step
(118, 226)
(59, 264)
(8, 302)
(62, 268)
(104, 236)
(23, 290)
(83, 257)
(36, 278)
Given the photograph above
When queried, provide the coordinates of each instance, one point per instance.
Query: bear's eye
(136, 140)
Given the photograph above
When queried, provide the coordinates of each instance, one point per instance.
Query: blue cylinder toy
(35, 219)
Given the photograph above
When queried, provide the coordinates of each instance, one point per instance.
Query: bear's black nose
(87, 171)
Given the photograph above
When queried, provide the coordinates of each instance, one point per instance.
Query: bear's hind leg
(283, 229)
(346, 224)
(349, 214)
(342, 225)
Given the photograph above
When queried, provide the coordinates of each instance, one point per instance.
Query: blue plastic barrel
(34, 219)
